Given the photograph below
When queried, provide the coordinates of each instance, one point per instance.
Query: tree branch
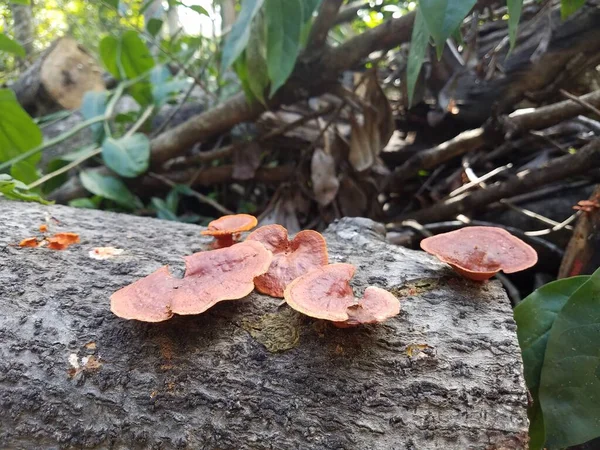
(581, 162)
(326, 18)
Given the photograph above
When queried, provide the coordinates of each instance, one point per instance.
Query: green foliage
(568, 7)
(514, 15)
(109, 187)
(18, 132)
(557, 325)
(163, 85)
(570, 380)
(258, 78)
(128, 156)
(17, 190)
(10, 46)
(443, 17)
(284, 25)
(240, 32)
(153, 26)
(24, 171)
(94, 105)
(418, 48)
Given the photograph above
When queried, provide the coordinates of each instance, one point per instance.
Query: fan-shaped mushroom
(478, 253)
(291, 259)
(325, 293)
(210, 277)
(224, 229)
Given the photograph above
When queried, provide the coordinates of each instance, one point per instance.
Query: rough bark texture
(209, 381)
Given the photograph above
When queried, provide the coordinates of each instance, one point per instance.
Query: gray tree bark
(444, 374)
(23, 25)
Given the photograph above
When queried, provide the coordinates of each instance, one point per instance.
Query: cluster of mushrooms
(299, 271)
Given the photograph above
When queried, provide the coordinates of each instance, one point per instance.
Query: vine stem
(93, 153)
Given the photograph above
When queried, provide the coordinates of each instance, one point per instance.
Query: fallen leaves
(58, 241)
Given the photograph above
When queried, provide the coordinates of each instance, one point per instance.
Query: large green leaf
(108, 187)
(568, 7)
(153, 26)
(94, 105)
(514, 15)
(18, 132)
(443, 17)
(10, 46)
(570, 380)
(240, 32)
(135, 58)
(258, 78)
(418, 48)
(16, 190)
(20, 2)
(24, 171)
(284, 24)
(535, 316)
(128, 156)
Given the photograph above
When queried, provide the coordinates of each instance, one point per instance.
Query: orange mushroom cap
(291, 259)
(325, 293)
(478, 253)
(210, 277)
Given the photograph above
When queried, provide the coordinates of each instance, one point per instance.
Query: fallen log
(444, 374)
(58, 79)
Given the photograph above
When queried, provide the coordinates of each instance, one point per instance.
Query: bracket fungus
(291, 259)
(226, 228)
(478, 253)
(325, 293)
(210, 277)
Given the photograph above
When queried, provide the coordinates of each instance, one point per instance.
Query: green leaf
(284, 25)
(570, 381)
(309, 7)
(241, 69)
(418, 48)
(153, 26)
(172, 200)
(10, 46)
(94, 105)
(113, 3)
(18, 132)
(443, 17)
(127, 57)
(514, 15)
(109, 187)
(24, 171)
(258, 78)
(89, 203)
(20, 2)
(162, 210)
(568, 7)
(200, 10)
(16, 190)
(240, 32)
(128, 156)
(535, 316)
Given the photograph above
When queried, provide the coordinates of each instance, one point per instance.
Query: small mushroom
(325, 293)
(226, 229)
(291, 259)
(210, 277)
(478, 253)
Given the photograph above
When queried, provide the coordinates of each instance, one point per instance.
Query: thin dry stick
(558, 226)
(476, 181)
(95, 152)
(583, 103)
(202, 198)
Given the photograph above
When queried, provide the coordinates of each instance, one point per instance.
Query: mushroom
(210, 277)
(225, 229)
(478, 253)
(325, 293)
(291, 259)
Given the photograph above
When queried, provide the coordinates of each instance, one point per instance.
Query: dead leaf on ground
(29, 242)
(324, 180)
(246, 160)
(352, 200)
(104, 252)
(61, 241)
(415, 350)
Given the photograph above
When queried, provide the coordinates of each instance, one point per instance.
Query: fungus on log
(58, 79)
(225, 229)
(445, 373)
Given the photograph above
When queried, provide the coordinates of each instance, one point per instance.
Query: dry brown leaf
(29, 242)
(352, 200)
(246, 160)
(324, 180)
(61, 241)
(361, 155)
(43, 228)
